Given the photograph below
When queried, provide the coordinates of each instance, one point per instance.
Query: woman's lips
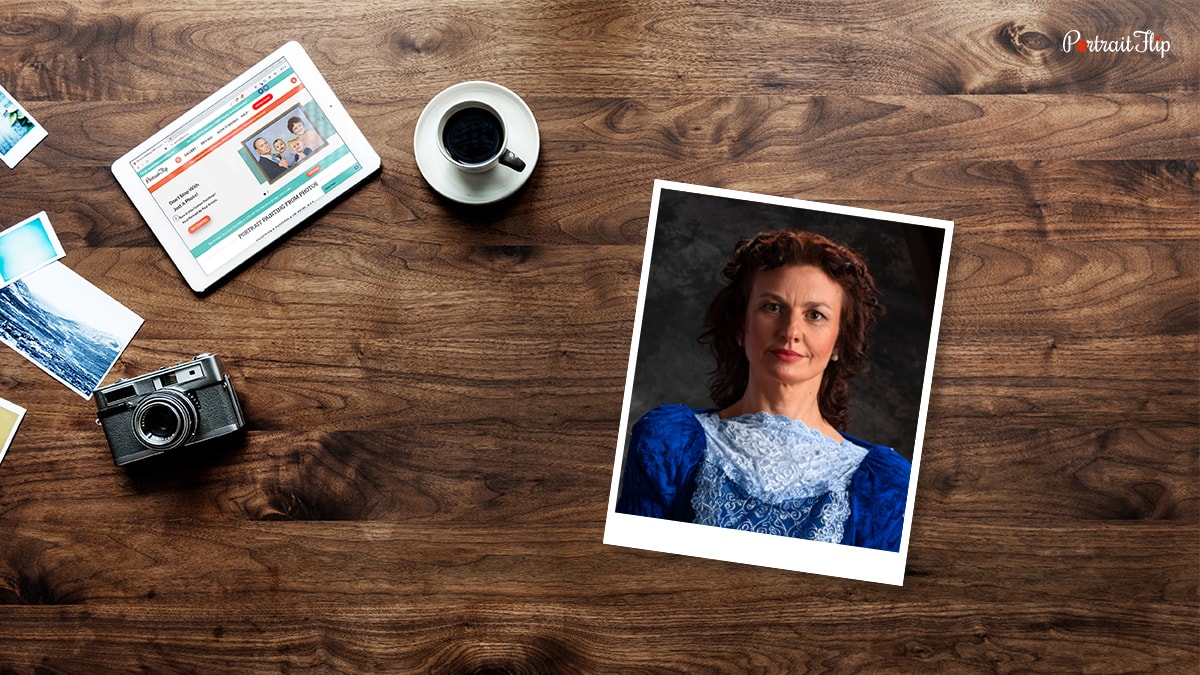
(787, 355)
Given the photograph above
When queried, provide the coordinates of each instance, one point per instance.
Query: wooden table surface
(434, 392)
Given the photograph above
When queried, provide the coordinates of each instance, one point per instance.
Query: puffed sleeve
(658, 477)
(878, 496)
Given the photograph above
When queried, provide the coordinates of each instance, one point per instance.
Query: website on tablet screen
(246, 166)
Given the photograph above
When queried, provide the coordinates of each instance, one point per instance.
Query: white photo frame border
(70, 294)
(7, 439)
(766, 550)
(28, 141)
(51, 237)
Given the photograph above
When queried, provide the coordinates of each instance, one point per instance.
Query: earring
(835, 357)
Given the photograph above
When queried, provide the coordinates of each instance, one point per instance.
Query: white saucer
(489, 186)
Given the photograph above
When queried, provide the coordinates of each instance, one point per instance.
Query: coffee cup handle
(510, 159)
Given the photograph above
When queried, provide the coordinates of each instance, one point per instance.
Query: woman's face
(297, 128)
(791, 328)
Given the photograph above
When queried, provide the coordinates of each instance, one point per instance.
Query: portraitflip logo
(1140, 41)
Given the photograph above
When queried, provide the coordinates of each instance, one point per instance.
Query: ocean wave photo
(66, 326)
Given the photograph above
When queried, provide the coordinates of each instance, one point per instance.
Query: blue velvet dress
(764, 473)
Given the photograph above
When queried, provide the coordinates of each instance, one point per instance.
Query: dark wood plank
(511, 329)
(433, 560)
(119, 51)
(598, 165)
(583, 136)
(421, 608)
(474, 636)
(971, 472)
(746, 129)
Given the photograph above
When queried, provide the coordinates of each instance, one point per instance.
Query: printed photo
(19, 132)
(283, 144)
(66, 326)
(10, 418)
(778, 380)
(27, 247)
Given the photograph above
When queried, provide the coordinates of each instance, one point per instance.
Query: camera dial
(165, 419)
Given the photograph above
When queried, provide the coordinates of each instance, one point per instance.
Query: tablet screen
(245, 166)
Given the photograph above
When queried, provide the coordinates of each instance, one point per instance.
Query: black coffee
(472, 136)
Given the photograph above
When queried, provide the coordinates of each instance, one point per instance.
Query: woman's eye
(815, 315)
(771, 307)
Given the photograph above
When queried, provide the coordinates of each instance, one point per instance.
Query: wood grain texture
(123, 50)
(434, 392)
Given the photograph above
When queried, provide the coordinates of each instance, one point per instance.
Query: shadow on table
(185, 466)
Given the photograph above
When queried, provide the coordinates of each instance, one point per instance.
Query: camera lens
(164, 420)
(161, 422)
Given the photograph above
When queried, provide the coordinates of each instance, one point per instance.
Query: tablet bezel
(323, 96)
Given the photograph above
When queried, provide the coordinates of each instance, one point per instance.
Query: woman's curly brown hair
(727, 315)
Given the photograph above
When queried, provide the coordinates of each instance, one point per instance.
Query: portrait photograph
(283, 144)
(778, 382)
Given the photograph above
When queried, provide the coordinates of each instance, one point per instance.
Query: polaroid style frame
(11, 415)
(195, 182)
(27, 247)
(18, 128)
(66, 326)
(749, 547)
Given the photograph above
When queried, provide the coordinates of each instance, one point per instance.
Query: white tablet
(245, 166)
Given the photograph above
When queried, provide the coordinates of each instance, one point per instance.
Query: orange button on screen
(312, 171)
(199, 224)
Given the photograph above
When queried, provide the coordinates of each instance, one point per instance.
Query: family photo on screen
(284, 144)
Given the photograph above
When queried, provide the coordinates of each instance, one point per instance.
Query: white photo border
(6, 440)
(71, 290)
(28, 141)
(748, 547)
(42, 222)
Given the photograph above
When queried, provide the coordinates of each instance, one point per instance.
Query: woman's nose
(793, 329)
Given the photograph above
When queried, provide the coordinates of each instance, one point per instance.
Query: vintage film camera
(177, 406)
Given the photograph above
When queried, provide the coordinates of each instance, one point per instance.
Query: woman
(311, 139)
(787, 330)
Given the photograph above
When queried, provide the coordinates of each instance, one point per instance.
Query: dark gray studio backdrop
(694, 237)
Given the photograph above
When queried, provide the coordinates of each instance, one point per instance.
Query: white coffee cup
(473, 137)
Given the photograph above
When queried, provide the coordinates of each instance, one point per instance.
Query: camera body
(174, 407)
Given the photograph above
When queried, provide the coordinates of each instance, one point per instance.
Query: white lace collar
(775, 458)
